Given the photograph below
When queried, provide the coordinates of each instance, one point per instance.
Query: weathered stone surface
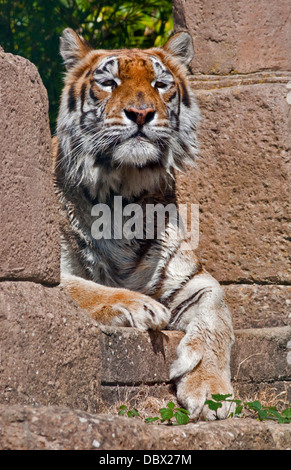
(49, 348)
(259, 306)
(241, 36)
(262, 355)
(29, 248)
(242, 183)
(131, 357)
(54, 428)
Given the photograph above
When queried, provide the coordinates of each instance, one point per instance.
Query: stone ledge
(123, 352)
(211, 82)
(53, 353)
(260, 359)
(54, 428)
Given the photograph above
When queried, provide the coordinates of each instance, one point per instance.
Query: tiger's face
(126, 108)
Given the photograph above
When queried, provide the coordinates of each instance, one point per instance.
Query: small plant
(170, 413)
(217, 400)
(269, 412)
(176, 416)
(262, 412)
(130, 413)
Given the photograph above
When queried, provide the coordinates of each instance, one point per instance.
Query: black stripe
(172, 97)
(92, 96)
(177, 115)
(192, 300)
(147, 309)
(195, 301)
(83, 93)
(163, 272)
(168, 300)
(72, 99)
(110, 62)
(185, 96)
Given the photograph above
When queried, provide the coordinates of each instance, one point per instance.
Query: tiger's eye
(160, 84)
(110, 83)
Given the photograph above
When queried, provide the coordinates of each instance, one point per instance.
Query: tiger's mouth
(138, 150)
(139, 135)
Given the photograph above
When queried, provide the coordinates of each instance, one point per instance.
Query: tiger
(127, 123)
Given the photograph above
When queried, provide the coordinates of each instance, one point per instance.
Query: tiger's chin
(136, 152)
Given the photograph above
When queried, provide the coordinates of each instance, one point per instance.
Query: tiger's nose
(140, 116)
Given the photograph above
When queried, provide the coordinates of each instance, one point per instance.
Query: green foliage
(177, 416)
(180, 415)
(32, 29)
(130, 413)
(261, 412)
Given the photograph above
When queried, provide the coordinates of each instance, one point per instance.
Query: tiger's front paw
(197, 386)
(143, 312)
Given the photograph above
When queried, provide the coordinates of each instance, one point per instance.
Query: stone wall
(30, 247)
(241, 67)
(49, 348)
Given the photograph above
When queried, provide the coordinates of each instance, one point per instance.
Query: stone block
(49, 348)
(132, 356)
(259, 306)
(30, 243)
(237, 37)
(262, 356)
(242, 180)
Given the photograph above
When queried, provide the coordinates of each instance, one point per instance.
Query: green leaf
(132, 413)
(254, 405)
(151, 420)
(122, 410)
(183, 410)
(263, 414)
(273, 412)
(283, 420)
(238, 409)
(287, 413)
(166, 414)
(181, 417)
(237, 402)
(219, 397)
(213, 405)
(171, 405)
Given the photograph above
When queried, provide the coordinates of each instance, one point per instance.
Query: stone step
(133, 359)
(53, 353)
(59, 428)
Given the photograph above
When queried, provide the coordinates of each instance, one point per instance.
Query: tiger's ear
(181, 45)
(73, 47)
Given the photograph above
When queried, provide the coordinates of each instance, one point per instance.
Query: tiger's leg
(202, 367)
(116, 306)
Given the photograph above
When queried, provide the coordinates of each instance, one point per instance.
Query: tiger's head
(124, 109)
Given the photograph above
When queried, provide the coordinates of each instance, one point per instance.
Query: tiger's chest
(119, 244)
